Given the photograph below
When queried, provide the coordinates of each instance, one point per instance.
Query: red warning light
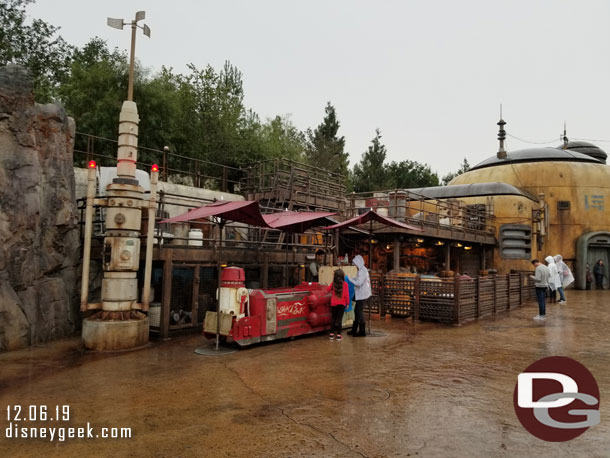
(92, 164)
(154, 168)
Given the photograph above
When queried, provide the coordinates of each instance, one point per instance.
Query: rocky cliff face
(39, 238)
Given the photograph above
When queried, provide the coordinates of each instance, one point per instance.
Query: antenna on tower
(501, 136)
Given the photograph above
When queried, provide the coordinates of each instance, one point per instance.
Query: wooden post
(195, 302)
(456, 298)
(495, 296)
(266, 270)
(167, 293)
(478, 296)
(508, 286)
(520, 289)
(416, 293)
(336, 243)
(396, 254)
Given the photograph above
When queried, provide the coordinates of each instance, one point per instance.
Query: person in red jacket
(339, 300)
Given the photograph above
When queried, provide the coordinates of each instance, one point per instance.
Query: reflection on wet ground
(420, 390)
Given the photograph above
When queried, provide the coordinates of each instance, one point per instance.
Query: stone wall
(39, 241)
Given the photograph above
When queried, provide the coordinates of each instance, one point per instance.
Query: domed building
(562, 209)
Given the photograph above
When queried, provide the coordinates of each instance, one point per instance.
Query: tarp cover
(291, 221)
(248, 212)
(372, 215)
(244, 211)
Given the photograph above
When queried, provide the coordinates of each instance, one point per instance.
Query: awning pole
(370, 269)
(220, 226)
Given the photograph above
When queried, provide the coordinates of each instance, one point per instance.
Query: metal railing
(417, 210)
(289, 183)
(172, 166)
(454, 299)
(236, 235)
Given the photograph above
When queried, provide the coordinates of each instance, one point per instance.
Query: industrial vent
(515, 241)
(563, 205)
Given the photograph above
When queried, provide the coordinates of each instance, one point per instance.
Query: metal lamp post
(119, 323)
(119, 24)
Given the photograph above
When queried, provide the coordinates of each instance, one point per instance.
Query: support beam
(396, 254)
(167, 294)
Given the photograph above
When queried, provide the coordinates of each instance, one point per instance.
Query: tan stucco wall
(578, 183)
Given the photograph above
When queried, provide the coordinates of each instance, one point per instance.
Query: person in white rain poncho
(554, 280)
(565, 275)
(362, 283)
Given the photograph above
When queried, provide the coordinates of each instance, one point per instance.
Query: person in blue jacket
(362, 285)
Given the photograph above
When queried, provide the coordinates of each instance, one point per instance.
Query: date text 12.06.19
(37, 413)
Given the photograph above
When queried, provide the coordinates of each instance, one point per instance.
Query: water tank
(195, 237)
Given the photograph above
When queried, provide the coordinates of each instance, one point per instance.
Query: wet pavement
(420, 390)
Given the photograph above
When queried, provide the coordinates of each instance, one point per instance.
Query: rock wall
(39, 238)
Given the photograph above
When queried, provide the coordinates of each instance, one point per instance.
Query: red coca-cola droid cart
(260, 315)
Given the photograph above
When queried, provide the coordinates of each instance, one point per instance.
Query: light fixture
(115, 23)
(468, 248)
(459, 245)
(420, 240)
(439, 243)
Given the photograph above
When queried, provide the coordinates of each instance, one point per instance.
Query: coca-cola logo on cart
(294, 308)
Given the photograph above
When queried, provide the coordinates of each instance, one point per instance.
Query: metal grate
(374, 303)
(398, 294)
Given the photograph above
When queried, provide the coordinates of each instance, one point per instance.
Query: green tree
(96, 88)
(93, 94)
(410, 174)
(159, 109)
(281, 139)
(36, 46)
(370, 174)
(212, 106)
(465, 167)
(324, 148)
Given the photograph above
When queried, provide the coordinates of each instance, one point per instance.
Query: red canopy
(297, 221)
(244, 211)
(372, 215)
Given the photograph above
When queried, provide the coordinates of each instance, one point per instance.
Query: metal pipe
(84, 292)
(220, 226)
(396, 254)
(542, 215)
(152, 206)
(132, 60)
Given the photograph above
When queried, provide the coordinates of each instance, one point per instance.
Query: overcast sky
(430, 74)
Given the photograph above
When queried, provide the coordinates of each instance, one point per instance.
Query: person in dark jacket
(599, 272)
(588, 277)
(314, 267)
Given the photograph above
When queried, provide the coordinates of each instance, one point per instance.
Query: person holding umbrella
(362, 286)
